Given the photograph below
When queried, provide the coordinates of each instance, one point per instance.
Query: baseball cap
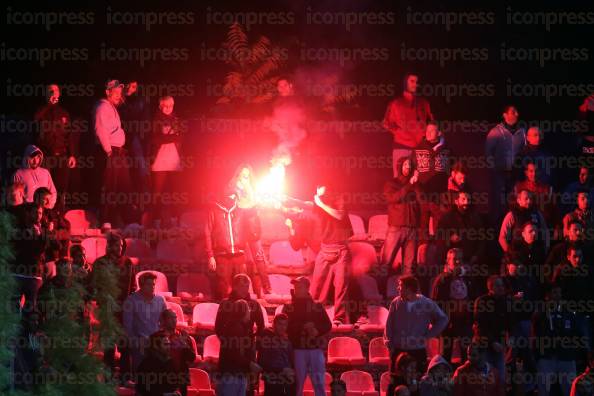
(111, 84)
(301, 280)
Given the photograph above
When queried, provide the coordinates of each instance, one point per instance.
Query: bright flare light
(270, 189)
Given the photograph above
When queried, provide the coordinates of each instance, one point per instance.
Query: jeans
(227, 268)
(561, 370)
(332, 268)
(116, 186)
(257, 267)
(232, 385)
(310, 362)
(396, 155)
(397, 238)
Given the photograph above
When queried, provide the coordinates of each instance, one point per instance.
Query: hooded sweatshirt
(403, 200)
(34, 178)
(428, 386)
(407, 326)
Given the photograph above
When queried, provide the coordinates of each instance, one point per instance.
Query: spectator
(504, 142)
(15, 199)
(33, 176)
(29, 244)
(406, 118)
(242, 184)
(477, 376)
(141, 313)
(520, 214)
(165, 154)
(111, 157)
(437, 380)
(431, 160)
(402, 390)
(402, 195)
(307, 328)
(134, 112)
(224, 245)
(29, 353)
(181, 349)
(81, 268)
(555, 338)
(492, 323)
(456, 183)
(338, 388)
(53, 220)
(412, 320)
(333, 262)
(275, 356)
(56, 139)
(156, 374)
(534, 152)
(586, 113)
(529, 250)
(237, 357)
(462, 227)
(404, 374)
(454, 290)
(584, 183)
(583, 385)
(543, 194)
(574, 237)
(240, 291)
(111, 282)
(582, 213)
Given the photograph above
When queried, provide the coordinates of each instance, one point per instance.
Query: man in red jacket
(406, 118)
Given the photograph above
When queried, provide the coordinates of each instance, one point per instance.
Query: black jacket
(555, 334)
(492, 318)
(223, 232)
(301, 311)
(470, 229)
(403, 201)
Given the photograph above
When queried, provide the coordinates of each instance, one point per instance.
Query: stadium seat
(359, 383)
(267, 323)
(282, 255)
(94, 247)
(281, 289)
(200, 381)
(345, 351)
(377, 316)
(196, 285)
(175, 307)
(369, 289)
(204, 315)
(195, 348)
(343, 328)
(358, 226)
(378, 226)
(174, 251)
(161, 287)
(211, 349)
(378, 352)
(308, 386)
(384, 383)
(80, 221)
(278, 309)
(364, 257)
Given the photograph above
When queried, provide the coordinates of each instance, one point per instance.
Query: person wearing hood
(406, 118)
(402, 196)
(504, 142)
(437, 380)
(33, 176)
(307, 329)
(523, 212)
(224, 243)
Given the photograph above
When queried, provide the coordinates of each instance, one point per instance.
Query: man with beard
(462, 227)
(504, 142)
(521, 213)
(529, 249)
(406, 118)
(56, 139)
(111, 154)
(582, 213)
(575, 237)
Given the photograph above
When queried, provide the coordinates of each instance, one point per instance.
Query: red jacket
(469, 381)
(407, 120)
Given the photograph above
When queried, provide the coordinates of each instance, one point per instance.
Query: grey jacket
(408, 324)
(502, 147)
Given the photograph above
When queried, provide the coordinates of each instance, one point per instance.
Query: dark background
(215, 155)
